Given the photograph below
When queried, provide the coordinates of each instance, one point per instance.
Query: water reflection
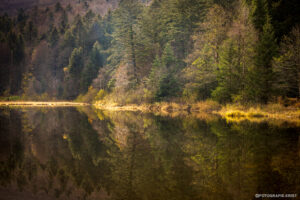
(81, 153)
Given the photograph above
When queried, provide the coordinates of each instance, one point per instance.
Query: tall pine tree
(126, 20)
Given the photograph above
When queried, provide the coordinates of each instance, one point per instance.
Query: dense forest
(148, 51)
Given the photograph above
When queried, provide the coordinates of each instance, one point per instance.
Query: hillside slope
(11, 7)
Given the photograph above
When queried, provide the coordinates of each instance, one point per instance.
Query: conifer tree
(63, 22)
(58, 7)
(21, 19)
(200, 74)
(155, 75)
(31, 31)
(76, 62)
(54, 37)
(228, 73)
(236, 59)
(126, 20)
(168, 85)
(91, 69)
(73, 74)
(261, 76)
(168, 58)
(69, 39)
(259, 12)
(79, 32)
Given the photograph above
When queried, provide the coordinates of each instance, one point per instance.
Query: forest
(231, 51)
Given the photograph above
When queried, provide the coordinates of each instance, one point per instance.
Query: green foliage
(259, 12)
(100, 95)
(168, 87)
(168, 58)
(178, 21)
(96, 57)
(69, 39)
(161, 80)
(11, 98)
(89, 17)
(155, 72)
(79, 32)
(200, 74)
(17, 47)
(221, 49)
(111, 84)
(89, 96)
(91, 69)
(63, 21)
(124, 37)
(87, 75)
(261, 76)
(228, 74)
(76, 62)
(155, 75)
(54, 37)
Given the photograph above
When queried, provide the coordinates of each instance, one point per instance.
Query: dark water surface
(81, 153)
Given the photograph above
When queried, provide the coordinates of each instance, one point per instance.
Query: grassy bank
(261, 112)
(232, 112)
(164, 107)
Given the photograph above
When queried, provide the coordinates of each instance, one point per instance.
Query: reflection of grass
(251, 113)
(164, 107)
(232, 112)
(235, 114)
(275, 112)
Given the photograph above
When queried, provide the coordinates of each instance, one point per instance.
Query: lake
(84, 153)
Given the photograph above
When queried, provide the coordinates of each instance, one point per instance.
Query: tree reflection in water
(80, 153)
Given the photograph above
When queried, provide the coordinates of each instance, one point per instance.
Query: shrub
(88, 97)
(100, 95)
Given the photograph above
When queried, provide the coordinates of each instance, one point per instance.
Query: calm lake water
(81, 153)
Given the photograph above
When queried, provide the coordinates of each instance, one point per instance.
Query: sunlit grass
(260, 113)
(231, 112)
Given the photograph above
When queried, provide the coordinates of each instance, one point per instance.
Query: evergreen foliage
(231, 51)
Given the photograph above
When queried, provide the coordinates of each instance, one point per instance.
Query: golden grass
(231, 112)
(206, 109)
(205, 106)
(168, 107)
(163, 107)
(171, 109)
(259, 113)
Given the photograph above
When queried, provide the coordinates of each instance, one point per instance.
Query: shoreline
(230, 112)
(42, 103)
